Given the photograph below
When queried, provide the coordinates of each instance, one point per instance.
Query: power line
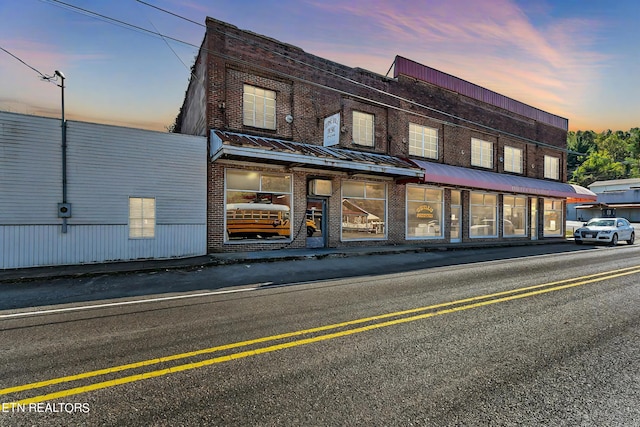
(42, 75)
(400, 98)
(51, 79)
(449, 115)
(171, 13)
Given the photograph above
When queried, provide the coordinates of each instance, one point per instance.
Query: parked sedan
(605, 230)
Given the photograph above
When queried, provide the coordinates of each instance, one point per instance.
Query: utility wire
(42, 76)
(288, 58)
(491, 131)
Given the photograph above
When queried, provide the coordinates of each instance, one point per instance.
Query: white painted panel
(105, 166)
(30, 169)
(108, 164)
(45, 245)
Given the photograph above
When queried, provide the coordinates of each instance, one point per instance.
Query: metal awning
(611, 205)
(277, 151)
(486, 180)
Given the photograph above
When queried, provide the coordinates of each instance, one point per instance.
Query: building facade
(130, 193)
(621, 196)
(305, 152)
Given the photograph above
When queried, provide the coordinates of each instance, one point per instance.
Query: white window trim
(552, 167)
(263, 105)
(423, 151)
(483, 146)
(143, 218)
(370, 129)
(511, 164)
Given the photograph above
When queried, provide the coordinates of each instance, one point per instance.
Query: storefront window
(514, 212)
(364, 207)
(553, 218)
(483, 214)
(424, 212)
(258, 206)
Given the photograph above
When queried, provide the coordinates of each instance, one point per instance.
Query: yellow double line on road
(396, 319)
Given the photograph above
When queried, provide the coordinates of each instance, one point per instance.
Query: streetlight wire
(50, 79)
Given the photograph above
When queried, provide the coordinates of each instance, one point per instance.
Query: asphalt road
(469, 338)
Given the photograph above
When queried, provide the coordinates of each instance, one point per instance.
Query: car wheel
(310, 231)
(614, 239)
(631, 239)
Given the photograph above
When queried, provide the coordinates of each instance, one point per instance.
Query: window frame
(509, 159)
(483, 149)
(546, 232)
(425, 201)
(523, 207)
(364, 196)
(260, 185)
(265, 103)
(551, 167)
(495, 214)
(146, 230)
(427, 146)
(358, 128)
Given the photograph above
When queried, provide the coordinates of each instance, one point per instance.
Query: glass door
(534, 219)
(315, 223)
(456, 216)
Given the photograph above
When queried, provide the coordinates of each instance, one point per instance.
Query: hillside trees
(604, 156)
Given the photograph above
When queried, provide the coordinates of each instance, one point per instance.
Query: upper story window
(259, 107)
(551, 167)
(481, 153)
(512, 159)
(363, 128)
(423, 141)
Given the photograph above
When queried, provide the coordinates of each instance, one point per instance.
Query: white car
(605, 230)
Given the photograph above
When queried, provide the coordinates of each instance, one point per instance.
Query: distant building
(623, 195)
(131, 193)
(419, 157)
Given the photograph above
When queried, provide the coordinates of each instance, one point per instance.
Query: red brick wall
(310, 88)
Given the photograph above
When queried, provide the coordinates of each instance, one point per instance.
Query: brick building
(305, 152)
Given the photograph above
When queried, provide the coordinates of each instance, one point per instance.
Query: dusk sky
(579, 59)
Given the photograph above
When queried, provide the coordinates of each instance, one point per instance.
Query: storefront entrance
(456, 216)
(316, 223)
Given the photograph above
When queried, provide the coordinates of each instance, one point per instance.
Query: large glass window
(551, 167)
(481, 153)
(258, 205)
(142, 217)
(514, 213)
(424, 212)
(553, 218)
(364, 207)
(512, 159)
(483, 214)
(423, 141)
(259, 107)
(363, 128)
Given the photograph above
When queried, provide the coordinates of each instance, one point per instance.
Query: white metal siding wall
(30, 169)
(105, 166)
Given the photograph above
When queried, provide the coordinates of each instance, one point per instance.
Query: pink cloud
(493, 44)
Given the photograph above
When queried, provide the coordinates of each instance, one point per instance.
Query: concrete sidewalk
(128, 267)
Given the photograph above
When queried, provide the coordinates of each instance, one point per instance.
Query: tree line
(603, 156)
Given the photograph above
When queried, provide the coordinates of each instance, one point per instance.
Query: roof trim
(486, 180)
(229, 144)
